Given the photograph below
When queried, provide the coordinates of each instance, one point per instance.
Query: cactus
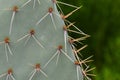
(34, 42)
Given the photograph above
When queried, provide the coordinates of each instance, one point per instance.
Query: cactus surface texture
(34, 42)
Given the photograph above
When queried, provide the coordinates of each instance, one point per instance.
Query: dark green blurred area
(101, 20)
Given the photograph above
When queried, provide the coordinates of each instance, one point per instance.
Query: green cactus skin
(33, 43)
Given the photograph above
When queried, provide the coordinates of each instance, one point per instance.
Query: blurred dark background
(101, 20)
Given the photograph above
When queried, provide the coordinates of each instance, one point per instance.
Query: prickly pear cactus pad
(34, 42)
